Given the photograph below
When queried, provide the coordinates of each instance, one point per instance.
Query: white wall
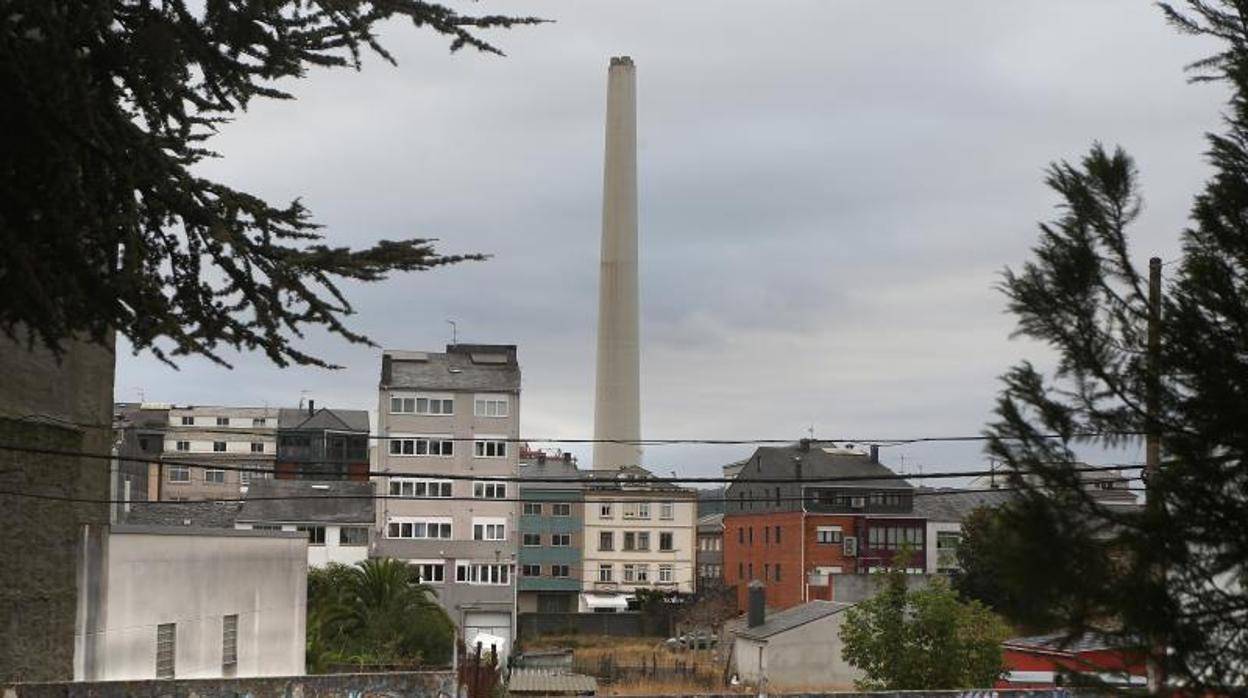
(805, 658)
(934, 527)
(194, 577)
(332, 551)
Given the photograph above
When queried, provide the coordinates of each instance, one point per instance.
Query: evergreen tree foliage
(104, 225)
(1172, 574)
(374, 613)
(922, 640)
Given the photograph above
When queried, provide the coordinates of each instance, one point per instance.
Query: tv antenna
(454, 332)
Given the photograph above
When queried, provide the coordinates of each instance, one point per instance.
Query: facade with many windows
(638, 534)
(197, 438)
(449, 424)
(551, 538)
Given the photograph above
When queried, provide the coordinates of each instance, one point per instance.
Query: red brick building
(824, 512)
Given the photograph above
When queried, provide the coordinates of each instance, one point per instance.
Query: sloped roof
(631, 477)
(463, 367)
(711, 522)
(300, 501)
(1059, 642)
(193, 514)
(323, 418)
(793, 617)
(547, 681)
(951, 505)
(819, 463)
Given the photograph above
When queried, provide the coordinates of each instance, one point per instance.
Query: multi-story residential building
(551, 533)
(1109, 487)
(322, 444)
(710, 555)
(450, 423)
(199, 438)
(138, 442)
(944, 510)
(336, 516)
(638, 535)
(795, 537)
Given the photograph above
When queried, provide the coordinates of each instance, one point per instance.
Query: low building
(798, 649)
(639, 534)
(551, 533)
(165, 602)
(337, 516)
(550, 682)
(1053, 660)
(322, 444)
(944, 510)
(710, 556)
(139, 440)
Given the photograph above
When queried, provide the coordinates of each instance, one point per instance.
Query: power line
(613, 480)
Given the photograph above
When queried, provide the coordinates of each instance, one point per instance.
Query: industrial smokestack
(756, 610)
(617, 403)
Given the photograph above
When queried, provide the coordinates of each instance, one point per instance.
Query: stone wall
(407, 684)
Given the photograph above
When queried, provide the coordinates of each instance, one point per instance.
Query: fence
(659, 668)
(416, 684)
(531, 625)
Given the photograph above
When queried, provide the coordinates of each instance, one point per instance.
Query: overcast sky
(829, 191)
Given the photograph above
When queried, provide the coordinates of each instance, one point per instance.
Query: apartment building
(710, 555)
(638, 535)
(450, 422)
(551, 533)
(138, 442)
(336, 516)
(796, 536)
(943, 510)
(199, 438)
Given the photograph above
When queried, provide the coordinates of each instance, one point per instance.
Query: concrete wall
(140, 577)
(624, 624)
(415, 684)
(63, 406)
(807, 657)
(852, 588)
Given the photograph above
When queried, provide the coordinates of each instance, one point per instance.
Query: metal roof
(793, 617)
(547, 681)
(1061, 642)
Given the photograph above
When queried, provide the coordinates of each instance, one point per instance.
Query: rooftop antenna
(142, 398)
(454, 332)
(302, 394)
(903, 465)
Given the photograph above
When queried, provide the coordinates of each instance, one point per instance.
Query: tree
(104, 226)
(986, 554)
(1172, 574)
(922, 640)
(375, 612)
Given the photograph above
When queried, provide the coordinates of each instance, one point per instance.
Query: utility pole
(1152, 449)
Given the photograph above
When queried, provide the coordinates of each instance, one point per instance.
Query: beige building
(200, 437)
(637, 535)
(450, 422)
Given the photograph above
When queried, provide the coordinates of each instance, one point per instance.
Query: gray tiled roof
(547, 681)
(455, 369)
(552, 468)
(778, 461)
(952, 506)
(622, 478)
(300, 501)
(323, 418)
(195, 514)
(793, 617)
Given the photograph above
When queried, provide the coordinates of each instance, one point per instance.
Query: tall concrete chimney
(617, 403)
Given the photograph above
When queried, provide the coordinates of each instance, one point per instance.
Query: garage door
(489, 629)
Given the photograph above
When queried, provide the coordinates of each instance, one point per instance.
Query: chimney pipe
(803, 445)
(757, 609)
(567, 456)
(541, 458)
(311, 407)
(875, 453)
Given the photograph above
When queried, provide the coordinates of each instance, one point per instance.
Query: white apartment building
(450, 422)
(199, 437)
(637, 535)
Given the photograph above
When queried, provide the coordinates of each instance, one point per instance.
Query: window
(531, 509)
(433, 572)
(214, 476)
(532, 540)
(223, 421)
(643, 540)
(166, 649)
(183, 445)
(531, 570)
(218, 446)
(630, 542)
(257, 472)
(766, 535)
(476, 573)
(489, 529)
(423, 446)
(751, 535)
(643, 574)
(606, 541)
(777, 535)
(229, 641)
(418, 528)
(490, 449)
(750, 568)
(316, 534)
(777, 571)
(665, 574)
(666, 511)
(947, 550)
(188, 421)
(353, 535)
(561, 571)
(740, 570)
(561, 509)
(259, 422)
(829, 534)
(489, 490)
(665, 541)
(604, 511)
(257, 447)
(179, 473)
(490, 406)
(426, 405)
(416, 487)
(561, 540)
(266, 527)
(630, 573)
(766, 571)
(604, 572)
(741, 536)
(637, 510)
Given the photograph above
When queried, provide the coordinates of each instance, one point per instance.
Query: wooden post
(1152, 450)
